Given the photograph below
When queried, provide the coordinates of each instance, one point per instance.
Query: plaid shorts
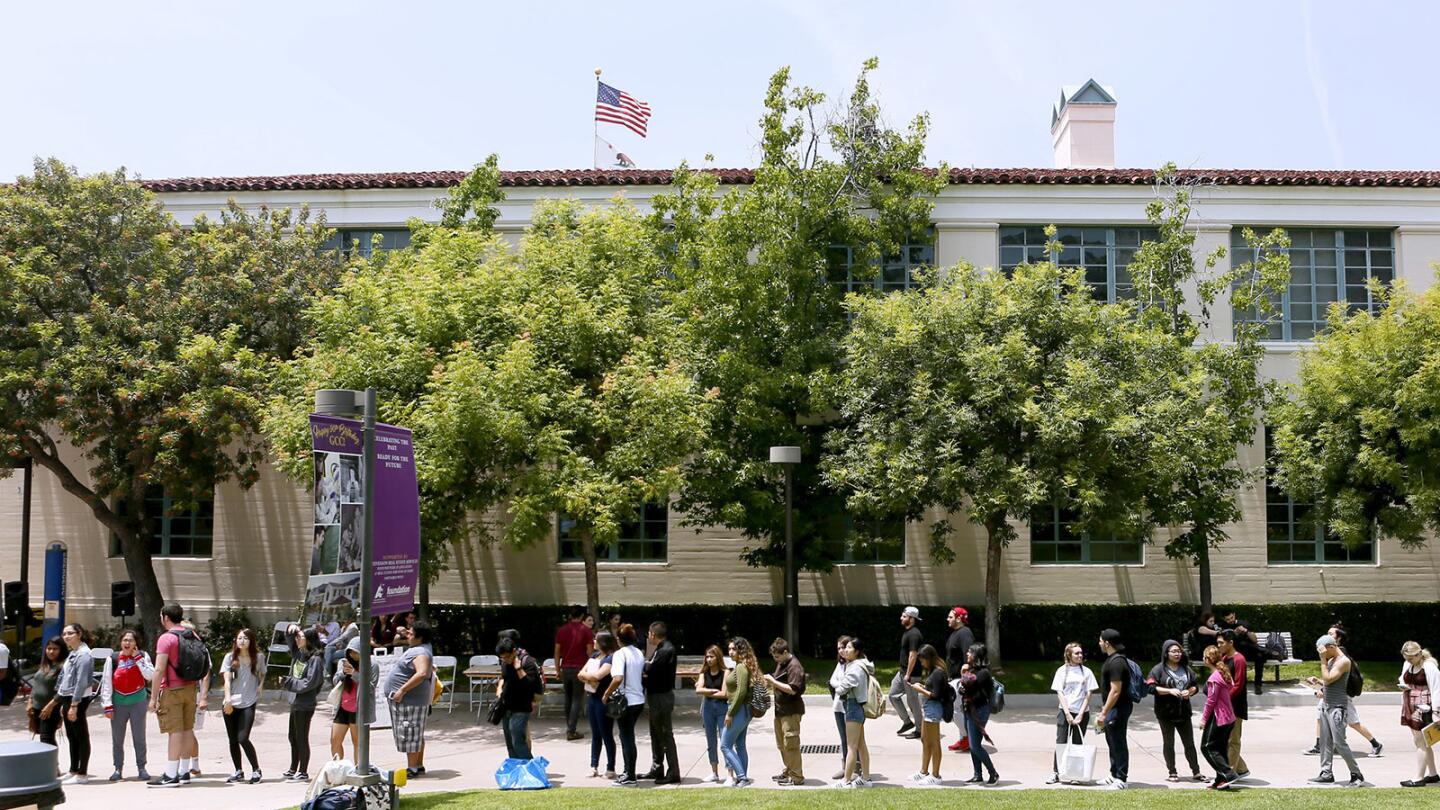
(408, 725)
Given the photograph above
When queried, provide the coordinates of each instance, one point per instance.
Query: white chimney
(1082, 127)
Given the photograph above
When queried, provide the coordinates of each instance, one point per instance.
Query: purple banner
(333, 591)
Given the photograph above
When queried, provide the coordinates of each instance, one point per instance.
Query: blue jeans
(844, 746)
(1117, 724)
(732, 744)
(514, 725)
(602, 732)
(626, 724)
(712, 713)
(975, 720)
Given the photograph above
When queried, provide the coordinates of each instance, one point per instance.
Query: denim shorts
(854, 711)
(932, 710)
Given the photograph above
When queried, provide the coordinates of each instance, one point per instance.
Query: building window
(881, 543)
(1325, 266)
(172, 532)
(1103, 253)
(644, 539)
(1053, 539)
(361, 240)
(1293, 537)
(895, 272)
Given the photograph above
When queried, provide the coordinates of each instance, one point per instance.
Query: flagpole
(595, 141)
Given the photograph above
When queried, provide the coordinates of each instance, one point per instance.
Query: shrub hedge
(1031, 632)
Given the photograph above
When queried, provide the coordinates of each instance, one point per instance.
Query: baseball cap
(1325, 641)
(913, 612)
(960, 611)
(1113, 638)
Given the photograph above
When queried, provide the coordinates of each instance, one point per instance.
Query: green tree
(756, 271)
(1359, 434)
(543, 380)
(144, 346)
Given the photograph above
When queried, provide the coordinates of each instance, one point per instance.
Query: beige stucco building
(1350, 225)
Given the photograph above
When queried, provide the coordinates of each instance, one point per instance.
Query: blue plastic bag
(523, 774)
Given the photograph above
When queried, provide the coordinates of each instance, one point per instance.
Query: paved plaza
(464, 755)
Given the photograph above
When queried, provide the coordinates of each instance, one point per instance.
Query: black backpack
(947, 702)
(1354, 681)
(192, 659)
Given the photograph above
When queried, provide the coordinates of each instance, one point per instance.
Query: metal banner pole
(367, 596)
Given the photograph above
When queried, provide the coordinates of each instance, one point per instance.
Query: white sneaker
(730, 782)
(919, 778)
(932, 781)
(862, 782)
(746, 782)
(1115, 784)
(841, 783)
(712, 779)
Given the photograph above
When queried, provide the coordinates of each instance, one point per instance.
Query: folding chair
(481, 661)
(442, 663)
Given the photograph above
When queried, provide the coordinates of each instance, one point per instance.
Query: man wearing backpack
(788, 686)
(1114, 719)
(181, 661)
(1334, 677)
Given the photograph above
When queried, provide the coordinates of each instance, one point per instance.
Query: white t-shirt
(4, 656)
(1075, 683)
(628, 667)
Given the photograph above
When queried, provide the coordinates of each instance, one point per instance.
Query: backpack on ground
(875, 705)
(997, 697)
(759, 699)
(1354, 681)
(1138, 689)
(192, 659)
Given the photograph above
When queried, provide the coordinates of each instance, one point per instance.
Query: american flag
(615, 106)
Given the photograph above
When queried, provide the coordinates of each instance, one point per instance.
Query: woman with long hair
(596, 677)
(837, 700)
(301, 688)
(932, 710)
(73, 688)
(978, 685)
(854, 686)
(738, 685)
(1218, 718)
(243, 673)
(1073, 684)
(1173, 683)
(125, 696)
(44, 703)
(714, 700)
(627, 669)
(346, 720)
(1420, 680)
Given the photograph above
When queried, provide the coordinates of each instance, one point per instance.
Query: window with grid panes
(361, 240)
(1104, 253)
(882, 543)
(644, 539)
(1293, 537)
(172, 532)
(1326, 265)
(1053, 539)
(895, 272)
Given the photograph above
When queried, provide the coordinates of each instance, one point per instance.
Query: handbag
(615, 705)
(497, 712)
(33, 718)
(1075, 761)
(336, 693)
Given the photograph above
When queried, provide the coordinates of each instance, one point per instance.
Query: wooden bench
(1262, 638)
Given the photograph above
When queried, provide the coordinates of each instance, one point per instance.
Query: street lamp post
(788, 457)
(347, 403)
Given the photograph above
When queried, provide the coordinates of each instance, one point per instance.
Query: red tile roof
(652, 177)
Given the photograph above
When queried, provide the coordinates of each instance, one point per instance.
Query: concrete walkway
(463, 754)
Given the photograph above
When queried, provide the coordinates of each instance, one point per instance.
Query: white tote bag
(1075, 762)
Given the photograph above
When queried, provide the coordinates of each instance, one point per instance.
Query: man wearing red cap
(961, 639)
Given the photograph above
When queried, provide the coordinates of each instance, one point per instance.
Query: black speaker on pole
(17, 601)
(122, 598)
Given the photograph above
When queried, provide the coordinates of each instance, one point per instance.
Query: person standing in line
(43, 703)
(911, 640)
(1217, 719)
(1073, 684)
(659, 683)
(977, 687)
(174, 700)
(1114, 719)
(932, 708)
(202, 690)
(854, 689)
(574, 644)
(837, 701)
(519, 680)
(788, 686)
(347, 716)
(1352, 717)
(74, 690)
(1247, 643)
(124, 694)
(714, 700)
(739, 684)
(1334, 673)
(595, 675)
(961, 639)
(302, 688)
(242, 672)
(1238, 665)
(627, 669)
(336, 647)
(1173, 683)
(1420, 685)
(409, 688)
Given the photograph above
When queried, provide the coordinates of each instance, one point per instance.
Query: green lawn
(763, 799)
(1033, 677)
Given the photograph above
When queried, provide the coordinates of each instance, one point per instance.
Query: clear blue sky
(186, 89)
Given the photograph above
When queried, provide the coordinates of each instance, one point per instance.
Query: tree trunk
(141, 569)
(1206, 595)
(592, 574)
(993, 553)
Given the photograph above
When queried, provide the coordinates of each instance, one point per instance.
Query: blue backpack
(1138, 689)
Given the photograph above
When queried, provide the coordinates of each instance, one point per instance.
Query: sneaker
(730, 782)
(975, 780)
(994, 778)
(255, 778)
(1376, 747)
(1356, 780)
(1199, 777)
(194, 771)
(415, 773)
(782, 775)
(163, 781)
(1314, 751)
(626, 781)
(1053, 780)
(1115, 784)
(790, 781)
(1221, 784)
(1174, 777)
(918, 777)
(841, 783)
(905, 729)
(238, 776)
(184, 778)
(744, 782)
(958, 745)
(287, 776)
(1322, 779)
(862, 782)
(914, 735)
(712, 779)
(301, 776)
(143, 776)
(1241, 775)
(934, 781)
(115, 777)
